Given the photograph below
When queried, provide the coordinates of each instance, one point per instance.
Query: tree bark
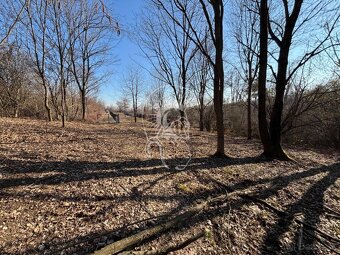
(201, 122)
(276, 151)
(249, 131)
(83, 105)
(219, 76)
(46, 103)
(263, 59)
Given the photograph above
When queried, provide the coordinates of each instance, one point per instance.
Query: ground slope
(75, 190)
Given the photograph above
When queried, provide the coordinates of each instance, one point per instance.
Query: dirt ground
(75, 190)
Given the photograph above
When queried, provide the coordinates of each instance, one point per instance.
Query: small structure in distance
(115, 116)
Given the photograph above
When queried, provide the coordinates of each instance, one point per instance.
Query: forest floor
(77, 189)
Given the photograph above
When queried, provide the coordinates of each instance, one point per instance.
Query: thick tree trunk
(219, 77)
(263, 59)
(276, 150)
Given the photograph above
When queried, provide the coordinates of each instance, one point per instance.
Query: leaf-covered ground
(75, 190)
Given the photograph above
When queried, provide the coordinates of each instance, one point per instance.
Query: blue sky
(126, 51)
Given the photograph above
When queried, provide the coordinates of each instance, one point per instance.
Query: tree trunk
(16, 111)
(63, 103)
(263, 59)
(219, 76)
(276, 150)
(47, 106)
(249, 109)
(201, 121)
(83, 105)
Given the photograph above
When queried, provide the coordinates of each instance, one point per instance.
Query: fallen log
(127, 242)
(170, 248)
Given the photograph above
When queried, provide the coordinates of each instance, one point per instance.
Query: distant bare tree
(123, 105)
(169, 49)
(90, 27)
(201, 79)
(15, 78)
(156, 96)
(246, 33)
(59, 38)
(212, 13)
(37, 44)
(133, 83)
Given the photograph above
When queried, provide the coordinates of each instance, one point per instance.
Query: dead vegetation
(79, 189)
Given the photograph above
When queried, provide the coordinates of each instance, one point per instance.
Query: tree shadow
(71, 171)
(310, 205)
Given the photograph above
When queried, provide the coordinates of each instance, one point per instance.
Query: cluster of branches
(183, 41)
(66, 44)
(276, 44)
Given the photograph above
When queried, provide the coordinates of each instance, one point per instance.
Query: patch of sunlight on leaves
(184, 188)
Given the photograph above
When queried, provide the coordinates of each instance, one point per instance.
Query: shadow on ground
(310, 204)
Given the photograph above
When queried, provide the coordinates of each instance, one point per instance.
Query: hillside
(75, 190)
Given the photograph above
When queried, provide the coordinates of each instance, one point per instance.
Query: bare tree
(169, 49)
(15, 78)
(200, 82)
(133, 88)
(89, 29)
(334, 52)
(59, 38)
(247, 36)
(213, 13)
(157, 95)
(297, 16)
(37, 45)
(17, 11)
(123, 105)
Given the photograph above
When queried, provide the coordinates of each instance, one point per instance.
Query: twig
(331, 211)
(323, 243)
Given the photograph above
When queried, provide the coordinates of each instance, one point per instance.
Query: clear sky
(128, 54)
(126, 51)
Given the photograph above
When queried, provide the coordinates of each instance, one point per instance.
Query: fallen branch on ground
(127, 242)
(331, 213)
(170, 248)
(71, 243)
